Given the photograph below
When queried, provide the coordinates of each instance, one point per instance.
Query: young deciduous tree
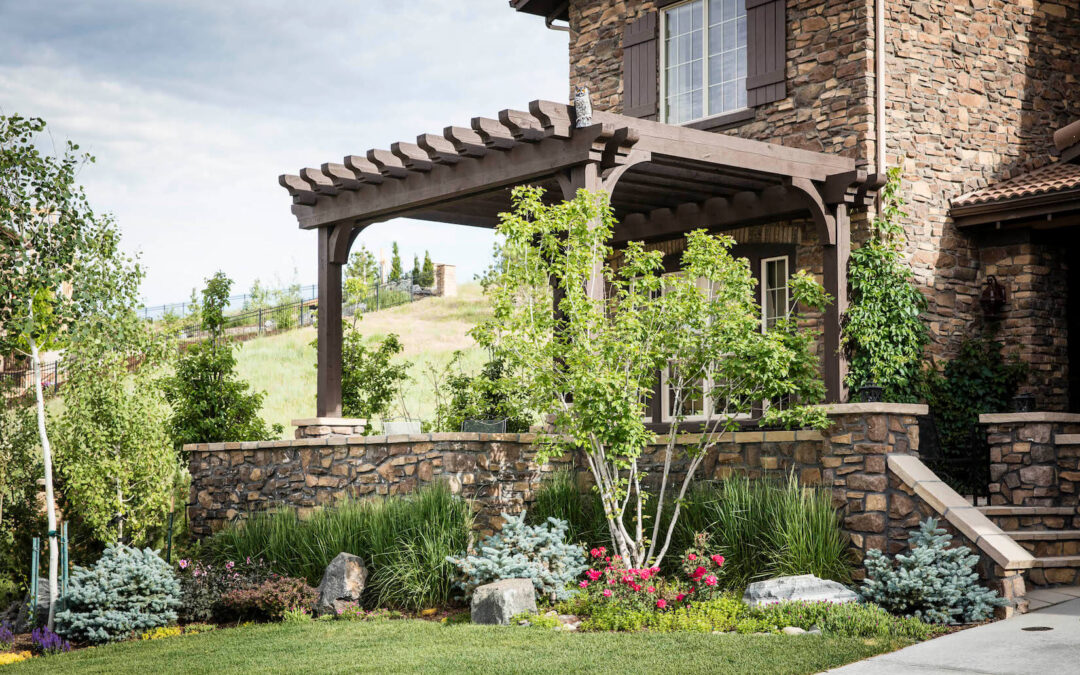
(113, 450)
(51, 245)
(593, 363)
(370, 381)
(210, 403)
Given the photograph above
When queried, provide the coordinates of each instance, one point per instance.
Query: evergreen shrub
(127, 591)
(934, 583)
(520, 551)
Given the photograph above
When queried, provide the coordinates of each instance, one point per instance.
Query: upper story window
(703, 59)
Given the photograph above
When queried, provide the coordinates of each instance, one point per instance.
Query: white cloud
(193, 109)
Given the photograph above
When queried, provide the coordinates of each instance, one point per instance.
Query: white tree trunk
(50, 502)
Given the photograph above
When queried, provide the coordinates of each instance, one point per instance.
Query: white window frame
(765, 289)
(662, 94)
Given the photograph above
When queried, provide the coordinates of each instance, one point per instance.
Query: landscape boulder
(805, 587)
(342, 583)
(497, 602)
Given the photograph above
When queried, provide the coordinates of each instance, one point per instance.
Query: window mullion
(705, 60)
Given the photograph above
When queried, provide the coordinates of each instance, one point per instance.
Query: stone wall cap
(1067, 439)
(876, 408)
(972, 523)
(329, 422)
(1026, 418)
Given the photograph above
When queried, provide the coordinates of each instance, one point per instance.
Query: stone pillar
(445, 281)
(855, 465)
(1034, 459)
(319, 427)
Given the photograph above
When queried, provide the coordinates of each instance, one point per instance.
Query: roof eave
(1026, 207)
(556, 10)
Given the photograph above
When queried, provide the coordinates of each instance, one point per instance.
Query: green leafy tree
(416, 271)
(883, 332)
(395, 265)
(52, 246)
(20, 469)
(370, 380)
(427, 274)
(114, 454)
(361, 275)
(210, 403)
(593, 363)
(258, 296)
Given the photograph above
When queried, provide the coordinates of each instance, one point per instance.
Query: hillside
(430, 330)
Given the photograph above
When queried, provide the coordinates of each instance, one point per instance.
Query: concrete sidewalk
(999, 648)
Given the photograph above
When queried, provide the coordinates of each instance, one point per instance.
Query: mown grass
(430, 330)
(426, 647)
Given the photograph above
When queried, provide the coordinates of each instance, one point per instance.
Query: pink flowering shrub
(702, 570)
(202, 586)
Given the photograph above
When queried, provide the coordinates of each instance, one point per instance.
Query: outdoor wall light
(993, 297)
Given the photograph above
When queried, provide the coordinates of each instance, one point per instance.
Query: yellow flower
(13, 657)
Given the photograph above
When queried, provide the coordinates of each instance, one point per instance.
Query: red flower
(593, 574)
(595, 553)
(710, 580)
(661, 603)
(698, 573)
(719, 560)
(691, 557)
(680, 597)
(607, 593)
(651, 589)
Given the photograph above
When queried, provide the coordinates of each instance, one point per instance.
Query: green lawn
(430, 330)
(424, 646)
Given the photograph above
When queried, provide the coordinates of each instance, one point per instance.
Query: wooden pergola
(663, 180)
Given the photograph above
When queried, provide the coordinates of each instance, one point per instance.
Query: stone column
(445, 281)
(1033, 458)
(855, 461)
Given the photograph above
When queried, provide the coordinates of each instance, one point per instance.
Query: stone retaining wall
(499, 472)
(1034, 458)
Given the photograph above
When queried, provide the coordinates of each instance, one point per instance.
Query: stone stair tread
(1058, 561)
(1027, 510)
(1043, 535)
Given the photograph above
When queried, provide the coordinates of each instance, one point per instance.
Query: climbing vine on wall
(883, 333)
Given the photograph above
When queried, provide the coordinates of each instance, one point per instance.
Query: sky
(192, 108)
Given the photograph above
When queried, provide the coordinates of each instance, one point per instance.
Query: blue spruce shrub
(519, 551)
(127, 591)
(934, 583)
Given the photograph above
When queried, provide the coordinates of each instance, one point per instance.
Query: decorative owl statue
(582, 108)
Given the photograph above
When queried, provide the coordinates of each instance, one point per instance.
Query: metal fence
(16, 383)
(236, 303)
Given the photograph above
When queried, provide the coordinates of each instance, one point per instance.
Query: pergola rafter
(662, 179)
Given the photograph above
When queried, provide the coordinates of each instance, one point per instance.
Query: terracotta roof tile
(1055, 177)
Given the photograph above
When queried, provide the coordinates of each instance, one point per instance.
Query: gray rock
(793, 630)
(805, 587)
(342, 583)
(496, 603)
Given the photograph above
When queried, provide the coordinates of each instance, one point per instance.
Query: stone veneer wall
(1033, 325)
(498, 471)
(974, 90)
(1034, 459)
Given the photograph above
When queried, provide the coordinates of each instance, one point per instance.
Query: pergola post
(333, 251)
(836, 263)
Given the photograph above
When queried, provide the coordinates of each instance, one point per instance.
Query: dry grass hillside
(431, 330)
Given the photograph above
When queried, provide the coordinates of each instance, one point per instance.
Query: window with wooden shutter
(640, 49)
(766, 51)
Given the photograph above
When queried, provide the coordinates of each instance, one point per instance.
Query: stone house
(973, 92)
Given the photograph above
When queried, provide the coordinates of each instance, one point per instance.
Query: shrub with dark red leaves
(270, 599)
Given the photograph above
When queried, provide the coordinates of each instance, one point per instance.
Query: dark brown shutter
(766, 53)
(640, 50)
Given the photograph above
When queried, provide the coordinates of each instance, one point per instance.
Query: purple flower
(47, 642)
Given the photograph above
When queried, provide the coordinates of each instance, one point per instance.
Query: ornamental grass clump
(403, 540)
(520, 551)
(126, 592)
(767, 528)
(934, 582)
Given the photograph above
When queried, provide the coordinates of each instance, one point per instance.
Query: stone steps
(1050, 533)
